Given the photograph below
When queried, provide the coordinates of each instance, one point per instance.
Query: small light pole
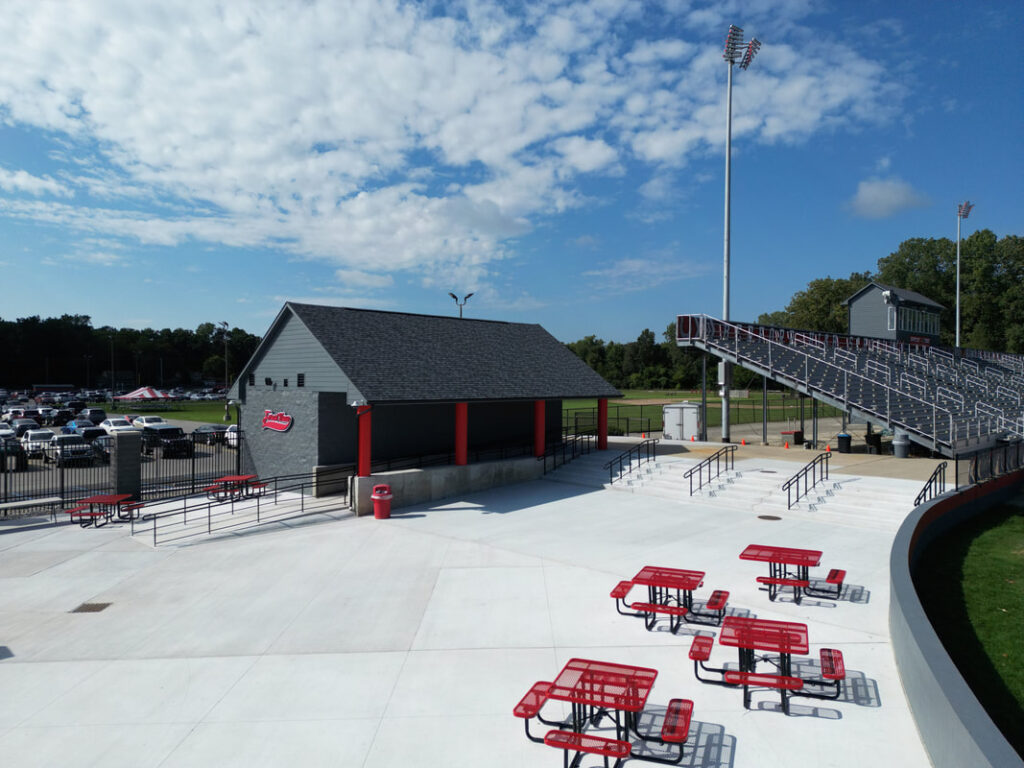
(732, 54)
(224, 330)
(87, 359)
(962, 212)
(464, 300)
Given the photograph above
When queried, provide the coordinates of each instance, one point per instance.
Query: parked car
(61, 416)
(46, 414)
(13, 455)
(89, 432)
(14, 412)
(34, 441)
(145, 421)
(102, 447)
(75, 405)
(95, 415)
(231, 436)
(210, 434)
(21, 426)
(69, 449)
(116, 424)
(6, 430)
(32, 413)
(171, 440)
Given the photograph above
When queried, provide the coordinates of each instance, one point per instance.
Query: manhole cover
(91, 607)
(768, 517)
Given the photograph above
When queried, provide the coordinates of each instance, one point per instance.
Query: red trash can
(381, 501)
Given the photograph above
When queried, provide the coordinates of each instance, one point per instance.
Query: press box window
(268, 381)
(252, 379)
(300, 380)
(286, 382)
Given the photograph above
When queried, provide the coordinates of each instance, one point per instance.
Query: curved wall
(954, 727)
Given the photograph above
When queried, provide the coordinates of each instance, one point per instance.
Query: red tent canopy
(145, 393)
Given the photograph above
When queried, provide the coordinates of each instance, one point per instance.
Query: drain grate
(768, 517)
(91, 607)
(768, 472)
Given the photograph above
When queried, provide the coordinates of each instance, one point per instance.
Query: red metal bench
(774, 583)
(255, 488)
(835, 578)
(782, 683)
(650, 612)
(700, 652)
(86, 516)
(619, 594)
(676, 728)
(713, 610)
(833, 672)
(589, 743)
(530, 705)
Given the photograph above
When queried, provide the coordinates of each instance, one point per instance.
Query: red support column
(602, 424)
(461, 434)
(363, 460)
(539, 433)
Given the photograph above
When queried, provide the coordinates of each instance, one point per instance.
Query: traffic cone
(743, 441)
(787, 443)
(693, 439)
(828, 449)
(643, 436)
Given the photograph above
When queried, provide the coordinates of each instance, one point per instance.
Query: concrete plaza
(340, 641)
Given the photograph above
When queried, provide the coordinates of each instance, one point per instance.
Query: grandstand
(953, 402)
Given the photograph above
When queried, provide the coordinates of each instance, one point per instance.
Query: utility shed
(334, 385)
(885, 312)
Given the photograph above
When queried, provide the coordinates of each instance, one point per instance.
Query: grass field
(203, 411)
(971, 584)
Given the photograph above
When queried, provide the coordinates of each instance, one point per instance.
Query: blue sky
(167, 164)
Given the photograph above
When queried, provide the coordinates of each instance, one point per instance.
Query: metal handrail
(935, 486)
(228, 506)
(645, 451)
(728, 453)
(816, 471)
(571, 446)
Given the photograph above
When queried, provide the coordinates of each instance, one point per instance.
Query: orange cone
(743, 441)
(787, 443)
(693, 439)
(828, 449)
(643, 436)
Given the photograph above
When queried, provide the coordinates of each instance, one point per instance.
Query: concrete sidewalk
(407, 642)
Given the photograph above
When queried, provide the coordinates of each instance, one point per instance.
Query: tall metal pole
(725, 259)
(962, 212)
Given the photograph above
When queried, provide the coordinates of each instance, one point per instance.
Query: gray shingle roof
(400, 357)
(901, 293)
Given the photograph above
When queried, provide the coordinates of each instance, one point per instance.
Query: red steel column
(363, 417)
(461, 434)
(538, 428)
(602, 424)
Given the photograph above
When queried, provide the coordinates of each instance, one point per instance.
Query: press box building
(883, 312)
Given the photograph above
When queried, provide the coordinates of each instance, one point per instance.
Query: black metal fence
(990, 463)
(44, 473)
(188, 466)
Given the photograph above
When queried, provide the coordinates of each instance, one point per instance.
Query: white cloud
(383, 136)
(21, 181)
(357, 279)
(881, 198)
(637, 274)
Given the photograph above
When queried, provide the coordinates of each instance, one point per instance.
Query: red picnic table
(749, 635)
(101, 506)
(780, 560)
(230, 487)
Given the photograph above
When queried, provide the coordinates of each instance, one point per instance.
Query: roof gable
(909, 297)
(402, 357)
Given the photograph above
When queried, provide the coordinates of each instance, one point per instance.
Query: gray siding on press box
(869, 316)
(292, 351)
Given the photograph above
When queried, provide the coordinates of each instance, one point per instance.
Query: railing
(935, 486)
(219, 515)
(803, 481)
(713, 465)
(643, 452)
(571, 446)
(990, 463)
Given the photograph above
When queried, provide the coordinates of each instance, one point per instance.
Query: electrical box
(682, 421)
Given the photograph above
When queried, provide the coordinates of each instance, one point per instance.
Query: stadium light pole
(227, 409)
(734, 53)
(464, 300)
(962, 212)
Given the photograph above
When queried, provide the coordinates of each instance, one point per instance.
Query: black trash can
(844, 442)
(874, 441)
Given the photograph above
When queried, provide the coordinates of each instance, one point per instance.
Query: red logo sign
(279, 422)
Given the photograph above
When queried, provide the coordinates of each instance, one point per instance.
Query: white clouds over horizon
(881, 198)
(380, 136)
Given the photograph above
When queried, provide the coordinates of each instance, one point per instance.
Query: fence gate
(189, 466)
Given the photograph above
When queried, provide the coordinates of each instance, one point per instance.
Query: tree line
(68, 350)
(991, 311)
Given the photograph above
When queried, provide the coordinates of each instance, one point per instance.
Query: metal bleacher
(949, 403)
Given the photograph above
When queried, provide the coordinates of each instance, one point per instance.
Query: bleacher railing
(712, 466)
(803, 481)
